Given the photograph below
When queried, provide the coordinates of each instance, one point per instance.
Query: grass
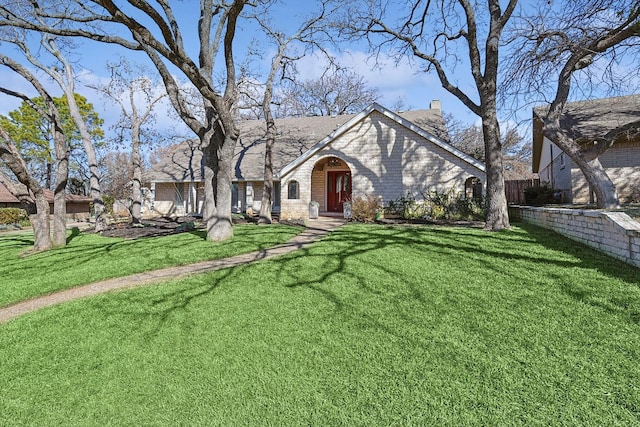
(371, 326)
(90, 257)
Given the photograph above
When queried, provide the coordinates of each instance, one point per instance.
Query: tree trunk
(60, 192)
(218, 166)
(40, 219)
(136, 195)
(600, 183)
(497, 212)
(265, 207)
(40, 223)
(95, 191)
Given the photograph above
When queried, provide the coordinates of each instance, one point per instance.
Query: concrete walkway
(315, 230)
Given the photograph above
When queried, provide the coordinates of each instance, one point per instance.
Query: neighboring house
(78, 207)
(327, 159)
(586, 120)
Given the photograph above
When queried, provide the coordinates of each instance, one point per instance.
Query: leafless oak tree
(289, 49)
(62, 72)
(337, 91)
(153, 28)
(38, 207)
(435, 33)
(134, 91)
(579, 47)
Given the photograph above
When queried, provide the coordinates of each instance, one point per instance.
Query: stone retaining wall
(614, 233)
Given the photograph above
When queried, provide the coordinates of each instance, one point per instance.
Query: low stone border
(614, 233)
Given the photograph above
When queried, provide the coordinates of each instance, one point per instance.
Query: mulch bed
(163, 226)
(153, 227)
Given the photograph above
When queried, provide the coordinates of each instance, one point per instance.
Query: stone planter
(314, 208)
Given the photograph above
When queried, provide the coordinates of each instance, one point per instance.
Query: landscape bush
(365, 208)
(437, 204)
(541, 195)
(13, 216)
(407, 207)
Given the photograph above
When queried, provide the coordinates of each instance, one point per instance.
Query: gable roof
(295, 137)
(7, 197)
(586, 120)
(393, 116)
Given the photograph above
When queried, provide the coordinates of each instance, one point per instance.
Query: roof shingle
(294, 137)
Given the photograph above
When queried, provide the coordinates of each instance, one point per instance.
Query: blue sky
(395, 81)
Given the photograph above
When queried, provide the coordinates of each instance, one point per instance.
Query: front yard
(90, 257)
(371, 326)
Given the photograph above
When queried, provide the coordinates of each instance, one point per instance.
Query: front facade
(329, 160)
(586, 120)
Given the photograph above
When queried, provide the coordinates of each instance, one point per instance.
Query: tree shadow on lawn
(344, 253)
(99, 258)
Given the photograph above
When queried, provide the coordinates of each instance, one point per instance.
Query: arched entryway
(331, 184)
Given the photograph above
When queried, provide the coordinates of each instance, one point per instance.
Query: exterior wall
(555, 168)
(623, 167)
(319, 188)
(165, 198)
(622, 163)
(614, 233)
(386, 159)
(166, 201)
(258, 189)
(580, 190)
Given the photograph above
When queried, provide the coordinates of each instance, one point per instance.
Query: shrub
(13, 216)
(470, 209)
(541, 195)
(406, 207)
(442, 203)
(365, 208)
(452, 205)
(186, 226)
(108, 203)
(448, 204)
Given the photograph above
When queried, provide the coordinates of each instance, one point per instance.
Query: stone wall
(614, 233)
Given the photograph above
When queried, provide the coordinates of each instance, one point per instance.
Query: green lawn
(372, 326)
(90, 257)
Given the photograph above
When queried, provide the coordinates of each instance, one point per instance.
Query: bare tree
(118, 176)
(15, 162)
(135, 92)
(516, 150)
(307, 38)
(27, 190)
(337, 91)
(65, 78)
(583, 44)
(161, 39)
(433, 32)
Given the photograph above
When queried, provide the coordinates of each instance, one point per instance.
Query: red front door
(338, 190)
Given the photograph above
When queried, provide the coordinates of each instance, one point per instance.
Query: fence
(514, 189)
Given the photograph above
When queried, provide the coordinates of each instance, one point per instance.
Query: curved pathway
(315, 230)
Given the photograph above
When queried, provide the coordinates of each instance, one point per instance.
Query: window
(293, 192)
(235, 205)
(561, 160)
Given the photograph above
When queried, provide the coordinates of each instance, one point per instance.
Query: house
(78, 207)
(584, 121)
(327, 159)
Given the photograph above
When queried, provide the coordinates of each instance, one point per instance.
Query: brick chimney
(435, 105)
